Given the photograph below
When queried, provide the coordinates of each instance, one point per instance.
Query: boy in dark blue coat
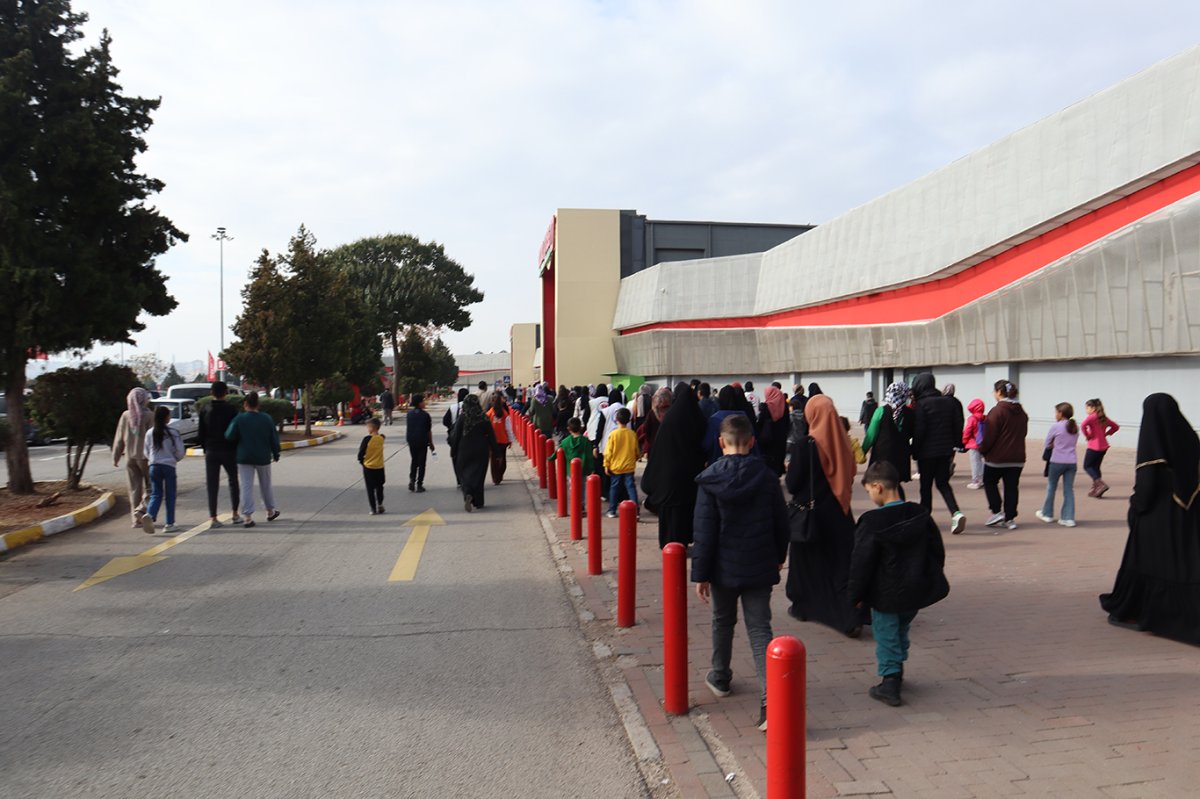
(741, 543)
(896, 569)
(419, 435)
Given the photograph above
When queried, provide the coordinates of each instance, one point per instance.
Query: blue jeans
(615, 483)
(1067, 472)
(756, 610)
(162, 482)
(891, 639)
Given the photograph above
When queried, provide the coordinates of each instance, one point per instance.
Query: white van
(195, 391)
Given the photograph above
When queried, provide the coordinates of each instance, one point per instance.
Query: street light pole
(222, 238)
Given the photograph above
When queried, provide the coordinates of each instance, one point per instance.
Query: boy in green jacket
(575, 446)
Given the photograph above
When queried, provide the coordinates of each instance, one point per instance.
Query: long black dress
(1158, 584)
(893, 442)
(669, 481)
(472, 456)
(773, 435)
(818, 572)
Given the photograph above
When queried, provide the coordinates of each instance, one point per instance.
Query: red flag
(211, 374)
(220, 365)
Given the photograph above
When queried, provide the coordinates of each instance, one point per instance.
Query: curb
(197, 452)
(17, 538)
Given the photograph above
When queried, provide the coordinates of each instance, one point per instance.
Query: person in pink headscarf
(774, 425)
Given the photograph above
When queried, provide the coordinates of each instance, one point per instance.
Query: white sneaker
(1067, 522)
(957, 523)
(1011, 525)
(1044, 517)
(995, 520)
(147, 524)
(974, 486)
(170, 528)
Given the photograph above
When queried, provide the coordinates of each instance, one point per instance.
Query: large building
(1065, 257)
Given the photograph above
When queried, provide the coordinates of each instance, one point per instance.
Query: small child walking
(856, 449)
(1096, 429)
(972, 438)
(896, 569)
(1060, 441)
(370, 455)
(740, 546)
(164, 448)
(418, 433)
(620, 460)
(573, 446)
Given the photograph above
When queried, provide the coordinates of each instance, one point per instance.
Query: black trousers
(1011, 475)
(1092, 459)
(214, 462)
(416, 470)
(936, 470)
(374, 478)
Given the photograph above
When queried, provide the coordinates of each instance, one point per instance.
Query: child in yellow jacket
(620, 461)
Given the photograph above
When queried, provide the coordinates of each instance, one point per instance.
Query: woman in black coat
(669, 481)
(472, 441)
(1158, 584)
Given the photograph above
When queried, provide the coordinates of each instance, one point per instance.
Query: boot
(1095, 487)
(888, 691)
(1101, 487)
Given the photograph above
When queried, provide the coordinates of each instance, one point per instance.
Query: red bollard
(786, 708)
(675, 676)
(627, 563)
(533, 450)
(560, 474)
(593, 506)
(576, 499)
(542, 451)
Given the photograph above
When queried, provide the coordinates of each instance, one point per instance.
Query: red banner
(211, 373)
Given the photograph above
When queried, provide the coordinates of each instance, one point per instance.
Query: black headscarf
(1167, 437)
(728, 399)
(813, 389)
(924, 386)
(678, 455)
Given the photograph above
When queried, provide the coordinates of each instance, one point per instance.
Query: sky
(469, 123)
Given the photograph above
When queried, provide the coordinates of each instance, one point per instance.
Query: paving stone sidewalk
(1016, 684)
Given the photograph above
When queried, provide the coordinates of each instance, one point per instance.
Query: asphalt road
(282, 662)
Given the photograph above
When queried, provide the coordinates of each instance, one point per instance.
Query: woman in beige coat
(131, 433)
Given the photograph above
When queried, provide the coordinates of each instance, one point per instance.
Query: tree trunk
(307, 415)
(16, 453)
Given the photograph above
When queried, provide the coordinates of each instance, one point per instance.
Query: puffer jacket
(937, 421)
(1004, 433)
(972, 431)
(898, 560)
(741, 526)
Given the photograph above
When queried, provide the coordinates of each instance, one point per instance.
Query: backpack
(979, 431)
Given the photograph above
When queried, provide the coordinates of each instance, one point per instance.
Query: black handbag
(1046, 453)
(802, 522)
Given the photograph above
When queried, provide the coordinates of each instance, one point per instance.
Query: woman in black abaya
(818, 572)
(472, 441)
(669, 481)
(1158, 584)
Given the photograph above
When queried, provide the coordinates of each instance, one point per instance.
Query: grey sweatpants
(246, 472)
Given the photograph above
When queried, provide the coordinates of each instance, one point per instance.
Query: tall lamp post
(222, 238)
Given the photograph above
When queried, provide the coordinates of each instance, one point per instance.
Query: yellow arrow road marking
(128, 563)
(406, 565)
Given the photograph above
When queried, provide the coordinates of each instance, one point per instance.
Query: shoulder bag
(802, 522)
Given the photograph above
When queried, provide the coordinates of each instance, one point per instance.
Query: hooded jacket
(898, 560)
(938, 420)
(741, 525)
(972, 431)
(1004, 434)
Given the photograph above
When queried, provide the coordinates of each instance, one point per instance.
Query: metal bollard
(560, 475)
(627, 563)
(675, 637)
(576, 499)
(786, 709)
(593, 505)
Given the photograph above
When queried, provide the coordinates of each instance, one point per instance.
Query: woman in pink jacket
(1096, 429)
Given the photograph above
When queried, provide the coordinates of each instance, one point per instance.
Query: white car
(183, 417)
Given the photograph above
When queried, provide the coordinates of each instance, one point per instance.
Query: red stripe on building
(925, 301)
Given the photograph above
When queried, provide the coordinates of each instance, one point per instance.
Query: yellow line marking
(405, 569)
(128, 563)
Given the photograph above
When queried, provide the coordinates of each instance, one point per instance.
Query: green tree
(413, 367)
(302, 321)
(82, 405)
(408, 283)
(172, 378)
(79, 241)
(444, 369)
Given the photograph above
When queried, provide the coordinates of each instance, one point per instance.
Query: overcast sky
(469, 123)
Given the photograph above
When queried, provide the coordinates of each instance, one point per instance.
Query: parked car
(183, 417)
(195, 391)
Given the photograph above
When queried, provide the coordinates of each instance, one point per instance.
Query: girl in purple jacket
(1061, 443)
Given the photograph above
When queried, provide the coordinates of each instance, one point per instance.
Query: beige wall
(587, 262)
(523, 345)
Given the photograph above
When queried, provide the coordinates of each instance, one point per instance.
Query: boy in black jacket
(741, 543)
(896, 569)
(418, 432)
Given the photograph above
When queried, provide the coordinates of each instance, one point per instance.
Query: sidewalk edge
(18, 538)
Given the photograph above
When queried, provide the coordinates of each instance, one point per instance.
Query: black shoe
(381, 509)
(888, 691)
(412, 487)
(719, 687)
(467, 505)
(273, 515)
(854, 632)
(420, 489)
(795, 614)
(248, 524)
(762, 718)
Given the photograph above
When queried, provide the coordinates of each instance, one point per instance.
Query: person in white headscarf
(135, 420)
